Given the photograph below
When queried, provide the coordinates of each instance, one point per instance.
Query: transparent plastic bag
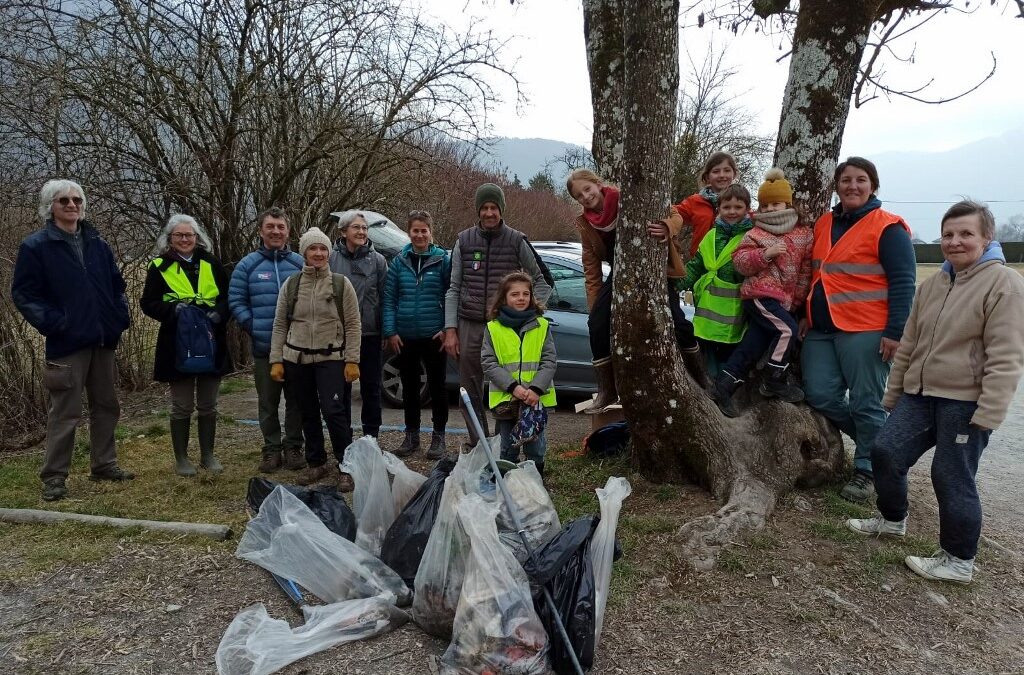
(287, 539)
(405, 481)
(536, 510)
(496, 628)
(256, 644)
(438, 580)
(602, 547)
(371, 498)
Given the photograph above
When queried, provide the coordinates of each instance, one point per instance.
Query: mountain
(525, 157)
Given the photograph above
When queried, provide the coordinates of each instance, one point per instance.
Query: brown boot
(314, 474)
(606, 392)
(694, 362)
(271, 461)
(294, 459)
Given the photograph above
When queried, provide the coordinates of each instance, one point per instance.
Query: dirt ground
(801, 596)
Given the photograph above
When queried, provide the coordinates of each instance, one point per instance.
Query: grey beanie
(489, 192)
(312, 236)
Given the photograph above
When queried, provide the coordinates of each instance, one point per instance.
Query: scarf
(735, 228)
(709, 194)
(606, 219)
(776, 222)
(514, 318)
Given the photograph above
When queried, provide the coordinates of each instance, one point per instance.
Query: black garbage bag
(608, 441)
(324, 501)
(564, 566)
(407, 537)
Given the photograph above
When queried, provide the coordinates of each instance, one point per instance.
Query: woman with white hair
(187, 285)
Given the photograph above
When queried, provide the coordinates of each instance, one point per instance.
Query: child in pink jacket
(775, 258)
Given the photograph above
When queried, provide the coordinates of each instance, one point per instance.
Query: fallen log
(218, 532)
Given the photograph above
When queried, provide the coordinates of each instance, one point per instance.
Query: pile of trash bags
(447, 545)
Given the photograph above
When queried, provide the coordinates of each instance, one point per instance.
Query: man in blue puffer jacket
(252, 298)
(413, 325)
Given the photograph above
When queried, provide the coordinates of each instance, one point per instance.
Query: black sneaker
(54, 489)
(722, 389)
(114, 473)
(775, 385)
(860, 488)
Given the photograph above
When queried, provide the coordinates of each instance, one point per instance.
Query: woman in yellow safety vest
(185, 272)
(519, 360)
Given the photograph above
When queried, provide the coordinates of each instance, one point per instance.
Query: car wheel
(392, 384)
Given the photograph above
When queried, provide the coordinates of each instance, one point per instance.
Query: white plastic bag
(371, 498)
(496, 627)
(439, 577)
(536, 510)
(256, 644)
(405, 481)
(287, 539)
(602, 546)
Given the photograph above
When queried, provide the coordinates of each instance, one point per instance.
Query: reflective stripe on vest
(522, 358)
(181, 287)
(718, 315)
(854, 281)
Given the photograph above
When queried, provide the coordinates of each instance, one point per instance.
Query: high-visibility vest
(522, 355)
(718, 315)
(850, 272)
(181, 287)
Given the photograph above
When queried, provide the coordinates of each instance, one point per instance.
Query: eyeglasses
(183, 235)
(364, 228)
(64, 201)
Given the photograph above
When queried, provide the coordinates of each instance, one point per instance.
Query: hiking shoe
(878, 525)
(774, 385)
(114, 473)
(942, 567)
(294, 459)
(722, 390)
(54, 489)
(271, 461)
(314, 474)
(861, 488)
(437, 447)
(410, 444)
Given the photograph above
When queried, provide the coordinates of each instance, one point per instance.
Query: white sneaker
(878, 525)
(942, 567)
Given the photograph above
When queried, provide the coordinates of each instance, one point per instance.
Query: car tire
(391, 384)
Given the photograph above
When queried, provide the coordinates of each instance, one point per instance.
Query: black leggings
(600, 321)
(435, 362)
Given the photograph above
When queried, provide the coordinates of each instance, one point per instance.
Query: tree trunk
(828, 44)
(602, 32)
(677, 432)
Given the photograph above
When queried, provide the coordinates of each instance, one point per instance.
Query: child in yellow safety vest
(519, 360)
(718, 320)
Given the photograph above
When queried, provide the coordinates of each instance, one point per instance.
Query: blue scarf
(734, 229)
(514, 318)
(709, 194)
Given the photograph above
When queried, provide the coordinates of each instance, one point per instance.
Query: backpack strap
(291, 291)
(291, 294)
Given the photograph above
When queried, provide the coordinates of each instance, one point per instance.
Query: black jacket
(153, 305)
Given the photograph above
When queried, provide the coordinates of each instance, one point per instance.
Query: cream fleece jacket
(964, 341)
(315, 323)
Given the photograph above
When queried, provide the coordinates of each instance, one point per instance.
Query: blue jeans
(534, 450)
(844, 380)
(917, 424)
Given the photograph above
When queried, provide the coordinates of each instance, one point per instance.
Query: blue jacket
(414, 303)
(74, 307)
(252, 293)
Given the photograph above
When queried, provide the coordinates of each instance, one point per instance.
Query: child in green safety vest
(519, 360)
(718, 320)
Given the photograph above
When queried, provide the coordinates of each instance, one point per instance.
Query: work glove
(277, 372)
(351, 372)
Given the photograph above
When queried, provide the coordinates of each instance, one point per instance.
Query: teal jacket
(414, 293)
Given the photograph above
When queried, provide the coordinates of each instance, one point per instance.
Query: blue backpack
(196, 349)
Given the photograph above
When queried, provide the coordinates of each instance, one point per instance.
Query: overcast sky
(547, 42)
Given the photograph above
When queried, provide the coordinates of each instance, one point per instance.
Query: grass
(892, 554)
(232, 385)
(833, 531)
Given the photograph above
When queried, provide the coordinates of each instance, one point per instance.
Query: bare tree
(1012, 229)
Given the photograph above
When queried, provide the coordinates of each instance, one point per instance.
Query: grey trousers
(268, 394)
(93, 370)
(471, 371)
(198, 392)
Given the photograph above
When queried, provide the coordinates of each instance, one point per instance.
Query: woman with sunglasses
(185, 272)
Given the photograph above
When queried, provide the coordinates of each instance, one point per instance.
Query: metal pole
(514, 514)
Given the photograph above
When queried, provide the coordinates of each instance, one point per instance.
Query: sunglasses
(64, 201)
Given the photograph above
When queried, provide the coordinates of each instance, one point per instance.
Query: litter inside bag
(407, 537)
(371, 499)
(324, 501)
(602, 547)
(256, 644)
(287, 539)
(405, 481)
(438, 581)
(496, 628)
(536, 510)
(565, 567)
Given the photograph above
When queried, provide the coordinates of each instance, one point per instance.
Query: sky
(546, 46)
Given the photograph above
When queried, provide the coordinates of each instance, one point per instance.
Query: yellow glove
(351, 372)
(277, 372)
